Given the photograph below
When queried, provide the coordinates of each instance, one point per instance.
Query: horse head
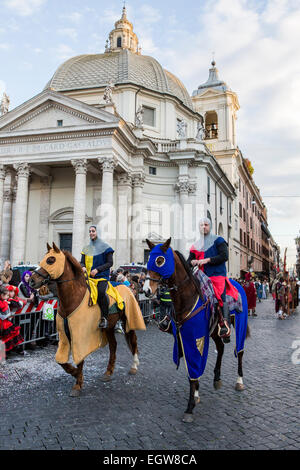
(160, 266)
(51, 267)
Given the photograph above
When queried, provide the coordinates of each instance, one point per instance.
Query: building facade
(114, 140)
(249, 236)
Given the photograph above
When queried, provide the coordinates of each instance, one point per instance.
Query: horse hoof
(132, 371)
(197, 401)
(75, 392)
(239, 387)
(188, 418)
(217, 384)
(105, 378)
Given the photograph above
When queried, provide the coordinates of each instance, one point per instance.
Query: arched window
(119, 41)
(209, 217)
(220, 230)
(211, 125)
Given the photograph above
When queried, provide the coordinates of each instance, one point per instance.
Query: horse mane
(189, 272)
(75, 265)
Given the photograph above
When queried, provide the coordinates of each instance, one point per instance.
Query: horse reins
(177, 288)
(47, 278)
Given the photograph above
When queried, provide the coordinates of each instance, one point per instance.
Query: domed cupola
(122, 37)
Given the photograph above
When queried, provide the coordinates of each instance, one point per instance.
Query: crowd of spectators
(16, 292)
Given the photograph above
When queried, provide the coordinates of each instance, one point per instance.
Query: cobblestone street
(145, 411)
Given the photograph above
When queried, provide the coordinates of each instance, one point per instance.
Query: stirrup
(103, 323)
(164, 324)
(224, 332)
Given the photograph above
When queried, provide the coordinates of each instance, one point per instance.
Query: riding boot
(103, 303)
(225, 328)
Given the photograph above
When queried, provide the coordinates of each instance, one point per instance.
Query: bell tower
(122, 36)
(218, 105)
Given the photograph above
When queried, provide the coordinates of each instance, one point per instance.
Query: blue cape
(194, 341)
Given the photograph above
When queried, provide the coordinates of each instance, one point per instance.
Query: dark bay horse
(63, 268)
(184, 291)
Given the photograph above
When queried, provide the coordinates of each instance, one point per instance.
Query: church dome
(122, 67)
(122, 63)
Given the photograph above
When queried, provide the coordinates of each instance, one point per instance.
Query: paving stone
(145, 412)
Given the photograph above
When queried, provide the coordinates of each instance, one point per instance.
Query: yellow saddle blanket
(111, 291)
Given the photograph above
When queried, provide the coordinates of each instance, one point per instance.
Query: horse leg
(220, 349)
(110, 333)
(78, 374)
(131, 340)
(193, 400)
(239, 386)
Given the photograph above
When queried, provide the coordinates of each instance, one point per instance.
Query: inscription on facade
(53, 147)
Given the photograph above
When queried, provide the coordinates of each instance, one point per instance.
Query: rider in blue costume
(210, 254)
(96, 260)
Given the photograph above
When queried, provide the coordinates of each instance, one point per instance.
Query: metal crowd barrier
(33, 326)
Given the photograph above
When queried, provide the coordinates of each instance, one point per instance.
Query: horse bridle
(163, 281)
(48, 278)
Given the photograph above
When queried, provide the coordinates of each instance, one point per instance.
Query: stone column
(107, 212)
(123, 242)
(44, 215)
(20, 215)
(2, 178)
(6, 224)
(195, 210)
(137, 250)
(79, 213)
(183, 188)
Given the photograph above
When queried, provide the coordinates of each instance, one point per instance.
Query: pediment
(50, 110)
(210, 92)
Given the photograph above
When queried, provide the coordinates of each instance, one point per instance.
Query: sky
(255, 44)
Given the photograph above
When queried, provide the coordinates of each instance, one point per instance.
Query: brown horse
(184, 290)
(63, 268)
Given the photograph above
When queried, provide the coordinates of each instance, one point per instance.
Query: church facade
(116, 140)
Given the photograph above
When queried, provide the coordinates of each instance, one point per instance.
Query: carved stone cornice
(42, 109)
(80, 166)
(22, 169)
(107, 163)
(46, 137)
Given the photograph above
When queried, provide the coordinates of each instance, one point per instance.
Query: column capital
(22, 169)
(3, 171)
(182, 187)
(80, 166)
(192, 187)
(8, 195)
(138, 180)
(124, 179)
(107, 163)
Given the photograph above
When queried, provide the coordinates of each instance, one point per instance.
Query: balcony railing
(164, 147)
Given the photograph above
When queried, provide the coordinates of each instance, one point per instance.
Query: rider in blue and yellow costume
(96, 260)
